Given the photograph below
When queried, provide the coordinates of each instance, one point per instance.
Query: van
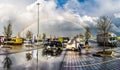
(72, 45)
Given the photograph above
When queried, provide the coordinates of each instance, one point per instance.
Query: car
(27, 43)
(72, 45)
(53, 48)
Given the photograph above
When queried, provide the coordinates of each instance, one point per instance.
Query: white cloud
(108, 7)
(91, 10)
(115, 28)
(52, 19)
(94, 7)
(18, 3)
(117, 15)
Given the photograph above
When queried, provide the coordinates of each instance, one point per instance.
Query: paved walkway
(75, 61)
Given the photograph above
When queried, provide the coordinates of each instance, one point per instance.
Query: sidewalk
(74, 61)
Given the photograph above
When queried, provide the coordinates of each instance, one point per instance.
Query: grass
(106, 53)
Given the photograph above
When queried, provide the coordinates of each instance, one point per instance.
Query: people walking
(86, 42)
(86, 46)
(79, 48)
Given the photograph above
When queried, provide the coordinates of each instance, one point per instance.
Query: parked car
(27, 43)
(71, 45)
(13, 41)
(53, 48)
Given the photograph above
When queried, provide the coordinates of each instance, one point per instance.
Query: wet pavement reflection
(19, 62)
(68, 60)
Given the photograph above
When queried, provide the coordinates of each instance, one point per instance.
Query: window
(112, 38)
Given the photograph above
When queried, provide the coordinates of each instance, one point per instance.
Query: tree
(44, 36)
(87, 33)
(29, 35)
(7, 63)
(103, 27)
(81, 35)
(28, 56)
(8, 31)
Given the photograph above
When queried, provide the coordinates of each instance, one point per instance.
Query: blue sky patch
(60, 3)
(81, 0)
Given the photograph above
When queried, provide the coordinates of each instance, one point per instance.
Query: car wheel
(118, 44)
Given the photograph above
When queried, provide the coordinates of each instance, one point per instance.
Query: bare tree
(29, 35)
(103, 27)
(8, 31)
(44, 36)
(81, 35)
(87, 33)
(7, 63)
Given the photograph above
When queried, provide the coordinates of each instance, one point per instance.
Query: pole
(37, 36)
(38, 17)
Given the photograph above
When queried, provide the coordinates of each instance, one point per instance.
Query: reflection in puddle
(20, 62)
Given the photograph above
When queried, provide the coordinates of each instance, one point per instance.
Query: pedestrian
(79, 47)
(86, 46)
(86, 42)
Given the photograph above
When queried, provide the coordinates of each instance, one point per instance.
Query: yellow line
(94, 63)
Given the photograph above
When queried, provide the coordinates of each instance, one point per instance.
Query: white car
(71, 45)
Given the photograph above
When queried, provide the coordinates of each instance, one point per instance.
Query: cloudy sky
(57, 17)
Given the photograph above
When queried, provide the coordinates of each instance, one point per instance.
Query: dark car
(53, 48)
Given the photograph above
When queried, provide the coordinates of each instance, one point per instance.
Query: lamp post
(38, 18)
(37, 36)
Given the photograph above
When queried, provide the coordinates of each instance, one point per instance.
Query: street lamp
(38, 18)
(37, 35)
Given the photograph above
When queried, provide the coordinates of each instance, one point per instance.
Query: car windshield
(55, 43)
(113, 38)
(7, 39)
(27, 42)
